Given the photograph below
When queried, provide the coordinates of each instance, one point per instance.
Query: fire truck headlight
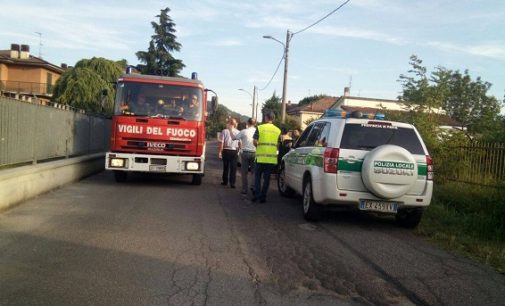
(192, 166)
(117, 163)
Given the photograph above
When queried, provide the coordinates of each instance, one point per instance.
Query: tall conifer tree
(158, 59)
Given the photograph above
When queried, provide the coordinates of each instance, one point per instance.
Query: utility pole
(285, 82)
(254, 101)
(253, 96)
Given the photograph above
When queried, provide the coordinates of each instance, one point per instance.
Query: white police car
(360, 162)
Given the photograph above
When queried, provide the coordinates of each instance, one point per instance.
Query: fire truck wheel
(197, 179)
(120, 176)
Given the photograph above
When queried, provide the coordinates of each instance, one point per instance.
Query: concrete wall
(22, 183)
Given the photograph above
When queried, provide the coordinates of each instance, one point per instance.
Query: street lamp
(253, 96)
(285, 81)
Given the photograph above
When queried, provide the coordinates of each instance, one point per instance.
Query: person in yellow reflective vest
(266, 140)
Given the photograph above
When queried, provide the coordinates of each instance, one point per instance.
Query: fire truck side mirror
(103, 99)
(213, 104)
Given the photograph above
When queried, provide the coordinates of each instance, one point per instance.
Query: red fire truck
(158, 126)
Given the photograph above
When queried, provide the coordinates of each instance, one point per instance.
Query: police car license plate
(157, 168)
(380, 206)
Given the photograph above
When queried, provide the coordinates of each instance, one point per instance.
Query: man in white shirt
(248, 153)
(228, 152)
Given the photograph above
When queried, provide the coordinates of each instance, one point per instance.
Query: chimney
(14, 51)
(25, 52)
(347, 91)
(64, 66)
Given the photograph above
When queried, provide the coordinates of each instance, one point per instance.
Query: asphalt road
(162, 241)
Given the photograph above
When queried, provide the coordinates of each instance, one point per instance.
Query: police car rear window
(368, 137)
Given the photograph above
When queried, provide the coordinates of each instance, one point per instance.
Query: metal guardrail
(30, 88)
(30, 133)
(478, 163)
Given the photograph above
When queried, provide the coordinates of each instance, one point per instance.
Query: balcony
(27, 88)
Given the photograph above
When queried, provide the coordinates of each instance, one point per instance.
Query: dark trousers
(229, 167)
(262, 170)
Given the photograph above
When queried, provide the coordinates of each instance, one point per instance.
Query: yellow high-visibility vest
(266, 150)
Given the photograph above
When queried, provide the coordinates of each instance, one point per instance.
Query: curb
(20, 184)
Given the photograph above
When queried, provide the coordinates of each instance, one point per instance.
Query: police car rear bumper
(154, 163)
(325, 192)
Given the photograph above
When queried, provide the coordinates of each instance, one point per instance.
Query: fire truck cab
(158, 126)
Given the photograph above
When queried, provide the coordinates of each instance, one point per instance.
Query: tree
(308, 100)
(456, 93)
(273, 104)
(217, 121)
(108, 70)
(418, 94)
(158, 59)
(469, 103)
(82, 86)
(309, 121)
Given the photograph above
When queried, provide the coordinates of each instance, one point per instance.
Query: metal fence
(478, 163)
(32, 133)
(26, 87)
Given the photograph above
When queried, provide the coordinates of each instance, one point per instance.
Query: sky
(365, 45)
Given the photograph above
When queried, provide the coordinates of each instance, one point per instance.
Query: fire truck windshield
(158, 100)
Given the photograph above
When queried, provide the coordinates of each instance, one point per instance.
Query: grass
(468, 219)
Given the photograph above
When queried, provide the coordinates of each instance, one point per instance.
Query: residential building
(27, 77)
(350, 104)
(311, 111)
(382, 104)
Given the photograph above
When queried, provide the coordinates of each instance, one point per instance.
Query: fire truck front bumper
(154, 163)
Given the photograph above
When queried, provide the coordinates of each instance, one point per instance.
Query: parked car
(359, 162)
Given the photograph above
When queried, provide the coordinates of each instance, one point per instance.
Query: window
(302, 141)
(315, 134)
(363, 137)
(49, 83)
(325, 133)
(158, 100)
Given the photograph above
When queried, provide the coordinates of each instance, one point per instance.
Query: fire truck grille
(158, 161)
(161, 146)
(143, 145)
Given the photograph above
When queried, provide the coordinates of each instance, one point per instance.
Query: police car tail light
(429, 164)
(331, 160)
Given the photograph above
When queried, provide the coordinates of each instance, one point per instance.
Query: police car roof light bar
(337, 113)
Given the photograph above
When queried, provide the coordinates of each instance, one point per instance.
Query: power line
(328, 15)
(276, 70)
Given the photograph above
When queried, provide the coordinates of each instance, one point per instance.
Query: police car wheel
(311, 211)
(196, 180)
(409, 218)
(120, 176)
(284, 189)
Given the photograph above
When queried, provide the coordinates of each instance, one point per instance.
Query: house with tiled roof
(27, 77)
(348, 101)
(311, 111)
(351, 104)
